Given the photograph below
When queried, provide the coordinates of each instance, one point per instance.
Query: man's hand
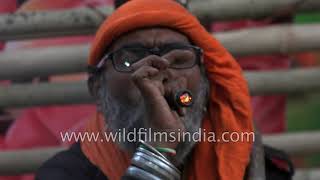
(152, 79)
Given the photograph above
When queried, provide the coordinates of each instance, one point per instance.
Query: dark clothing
(71, 164)
(277, 164)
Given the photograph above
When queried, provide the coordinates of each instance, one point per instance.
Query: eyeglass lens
(180, 58)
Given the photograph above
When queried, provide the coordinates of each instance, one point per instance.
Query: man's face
(121, 100)
(121, 85)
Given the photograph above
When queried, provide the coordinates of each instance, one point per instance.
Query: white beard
(122, 116)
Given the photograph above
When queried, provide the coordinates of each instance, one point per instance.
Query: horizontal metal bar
(283, 81)
(25, 161)
(278, 39)
(40, 24)
(297, 144)
(25, 95)
(43, 62)
(69, 59)
(260, 83)
(249, 9)
(307, 174)
(26, 25)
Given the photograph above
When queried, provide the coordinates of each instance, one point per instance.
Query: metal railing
(31, 63)
(26, 25)
(279, 39)
(260, 83)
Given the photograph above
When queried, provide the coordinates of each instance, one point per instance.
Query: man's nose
(169, 75)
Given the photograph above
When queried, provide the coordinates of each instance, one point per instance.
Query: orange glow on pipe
(183, 98)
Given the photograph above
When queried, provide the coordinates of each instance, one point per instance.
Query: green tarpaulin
(305, 18)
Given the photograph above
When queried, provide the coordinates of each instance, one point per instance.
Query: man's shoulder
(69, 164)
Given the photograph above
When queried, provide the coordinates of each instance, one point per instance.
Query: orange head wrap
(229, 107)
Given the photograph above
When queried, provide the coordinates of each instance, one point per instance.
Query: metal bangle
(149, 163)
(151, 167)
(152, 149)
(154, 152)
(164, 160)
(160, 164)
(134, 173)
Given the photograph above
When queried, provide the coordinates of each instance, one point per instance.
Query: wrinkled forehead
(149, 37)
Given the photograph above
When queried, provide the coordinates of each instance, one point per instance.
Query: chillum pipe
(183, 98)
(179, 99)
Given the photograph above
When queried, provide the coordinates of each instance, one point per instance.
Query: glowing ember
(185, 98)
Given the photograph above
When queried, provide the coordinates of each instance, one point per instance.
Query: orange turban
(229, 107)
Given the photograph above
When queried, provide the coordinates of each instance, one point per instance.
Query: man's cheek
(193, 80)
(121, 87)
(133, 93)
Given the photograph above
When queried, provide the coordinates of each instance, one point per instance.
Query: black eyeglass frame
(153, 51)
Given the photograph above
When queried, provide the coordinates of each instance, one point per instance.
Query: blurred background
(44, 46)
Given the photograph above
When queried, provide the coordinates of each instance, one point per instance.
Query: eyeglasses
(180, 56)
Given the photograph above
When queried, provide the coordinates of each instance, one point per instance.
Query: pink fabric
(269, 112)
(305, 60)
(40, 127)
(7, 6)
(1, 142)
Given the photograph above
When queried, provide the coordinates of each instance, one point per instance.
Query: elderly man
(143, 55)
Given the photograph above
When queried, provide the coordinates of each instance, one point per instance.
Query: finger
(169, 57)
(176, 56)
(178, 118)
(152, 60)
(144, 72)
(147, 77)
(171, 87)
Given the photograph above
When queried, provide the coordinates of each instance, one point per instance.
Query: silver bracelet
(149, 163)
